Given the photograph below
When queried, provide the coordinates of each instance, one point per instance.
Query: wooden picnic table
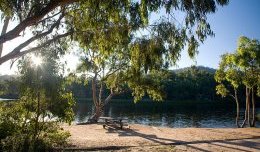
(107, 121)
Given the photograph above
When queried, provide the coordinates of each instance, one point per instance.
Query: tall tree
(248, 60)
(114, 71)
(241, 68)
(228, 76)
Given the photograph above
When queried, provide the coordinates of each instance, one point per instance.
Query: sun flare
(36, 60)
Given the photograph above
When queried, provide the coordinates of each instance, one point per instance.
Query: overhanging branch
(26, 43)
(17, 54)
(48, 17)
(33, 19)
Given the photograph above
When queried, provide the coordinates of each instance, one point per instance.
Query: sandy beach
(92, 137)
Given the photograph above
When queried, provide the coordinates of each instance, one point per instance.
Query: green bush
(17, 130)
(25, 142)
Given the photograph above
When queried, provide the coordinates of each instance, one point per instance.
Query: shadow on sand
(231, 144)
(237, 144)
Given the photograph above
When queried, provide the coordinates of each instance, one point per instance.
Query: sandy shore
(148, 138)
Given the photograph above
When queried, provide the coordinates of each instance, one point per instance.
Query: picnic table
(108, 121)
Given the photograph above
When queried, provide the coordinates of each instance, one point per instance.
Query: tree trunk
(246, 111)
(248, 108)
(97, 114)
(238, 110)
(93, 118)
(253, 109)
(94, 90)
(99, 108)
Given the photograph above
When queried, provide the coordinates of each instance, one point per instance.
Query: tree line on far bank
(191, 83)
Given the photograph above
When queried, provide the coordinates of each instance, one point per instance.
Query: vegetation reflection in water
(166, 114)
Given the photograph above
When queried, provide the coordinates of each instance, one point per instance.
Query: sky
(239, 18)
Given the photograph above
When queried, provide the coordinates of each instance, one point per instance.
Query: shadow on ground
(232, 144)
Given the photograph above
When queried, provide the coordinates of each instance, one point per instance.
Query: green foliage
(46, 81)
(6, 8)
(149, 84)
(222, 90)
(227, 72)
(111, 30)
(193, 83)
(115, 22)
(9, 87)
(32, 122)
(104, 25)
(17, 129)
(248, 59)
(108, 32)
(240, 68)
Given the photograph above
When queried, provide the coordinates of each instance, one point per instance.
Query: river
(167, 114)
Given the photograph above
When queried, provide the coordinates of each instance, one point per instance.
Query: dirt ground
(148, 138)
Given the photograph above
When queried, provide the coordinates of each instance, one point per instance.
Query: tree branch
(33, 19)
(100, 91)
(115, 70)
(17, 54)
(94, 85)
(231, 95)
(26, 43)
(109, 97)
(48, 17)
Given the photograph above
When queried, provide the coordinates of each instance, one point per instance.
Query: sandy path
(148, 138)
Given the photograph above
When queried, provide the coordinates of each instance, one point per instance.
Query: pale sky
(239, 18)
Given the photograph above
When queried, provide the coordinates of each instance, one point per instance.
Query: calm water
(166, 114)
(2, 99)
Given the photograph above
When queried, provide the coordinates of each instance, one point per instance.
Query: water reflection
(166, 114)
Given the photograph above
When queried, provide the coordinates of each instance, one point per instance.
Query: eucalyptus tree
(248, 60)
(113, 71)
(241, 68)
(52, 20)
(228, 76)
(151, 44)
(104, 71)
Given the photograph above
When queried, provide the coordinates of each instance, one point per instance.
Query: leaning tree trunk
(97, 113)
(99, 109)
(99, 103)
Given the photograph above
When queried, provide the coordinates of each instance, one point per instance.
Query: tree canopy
(107, 21)
(149, 45)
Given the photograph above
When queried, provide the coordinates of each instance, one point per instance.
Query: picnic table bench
(108, 121)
